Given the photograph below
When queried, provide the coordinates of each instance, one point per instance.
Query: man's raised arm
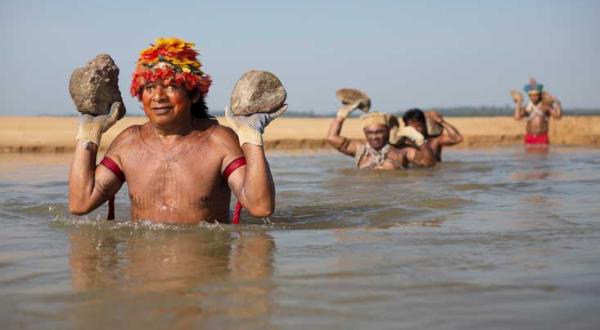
(451, 135)
(342, 144)
(555, 106)
(253, 185)
(518, 99)
(89, 186)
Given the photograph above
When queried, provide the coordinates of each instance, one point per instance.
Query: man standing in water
(377, 153)
(539, 109)
(181, 166)
(418, 120)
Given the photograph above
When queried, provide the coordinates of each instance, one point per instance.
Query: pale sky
(402, 53)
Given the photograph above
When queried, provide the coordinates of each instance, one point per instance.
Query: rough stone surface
(95, 86)
(351, 95)
(433, 128)
(257, 92)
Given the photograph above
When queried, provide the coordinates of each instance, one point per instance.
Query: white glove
(345, 110)
(516, 96)
(91, 127)
(250, 128)
(412, 134)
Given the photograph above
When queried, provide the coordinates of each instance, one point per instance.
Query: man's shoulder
(224, 141)
(223, 135)
(127, 135)
(125, 141)
(398, 151)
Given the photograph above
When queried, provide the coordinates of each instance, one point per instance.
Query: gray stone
(433, 129)
(95, 86)
(257, 92)
(351, 95)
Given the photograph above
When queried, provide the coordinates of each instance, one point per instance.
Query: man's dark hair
(416, 115)
(199, 108)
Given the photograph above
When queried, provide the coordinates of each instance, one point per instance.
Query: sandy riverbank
(56, 134)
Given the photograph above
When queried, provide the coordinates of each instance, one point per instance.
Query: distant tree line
(461, 111)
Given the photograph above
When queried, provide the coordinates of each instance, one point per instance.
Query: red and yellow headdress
(171, 60)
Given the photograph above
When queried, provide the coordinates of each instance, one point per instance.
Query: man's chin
(163, 119)
(376, 146)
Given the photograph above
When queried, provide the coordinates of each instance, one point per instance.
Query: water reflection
(498, 238)
(537, 164)
(537, 149)
(535, 175)
(189, 277)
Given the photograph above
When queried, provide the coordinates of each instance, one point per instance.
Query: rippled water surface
(490, 239)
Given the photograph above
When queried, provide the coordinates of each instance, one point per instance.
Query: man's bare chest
(194, 173)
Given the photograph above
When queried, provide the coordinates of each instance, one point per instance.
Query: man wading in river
(377, 153)
(181, 166)
(417, 119)
(539, 109)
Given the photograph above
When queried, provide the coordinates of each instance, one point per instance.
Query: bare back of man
(180, 180)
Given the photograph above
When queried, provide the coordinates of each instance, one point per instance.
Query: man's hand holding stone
(411, 134)
(91, 127)
(345, 110)
(250, 128)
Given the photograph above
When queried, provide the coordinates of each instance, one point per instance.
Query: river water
(490, 239)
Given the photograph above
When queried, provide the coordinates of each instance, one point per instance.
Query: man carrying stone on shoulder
(377, 153)
(446, 135)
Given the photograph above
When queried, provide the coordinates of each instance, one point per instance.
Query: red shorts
(537, 139)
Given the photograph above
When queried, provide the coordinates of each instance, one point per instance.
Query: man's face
(166, 105)
(419, 126)
(377, 135)
(534, 97)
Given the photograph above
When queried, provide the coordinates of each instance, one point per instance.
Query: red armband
(234, 165)
(113, 167)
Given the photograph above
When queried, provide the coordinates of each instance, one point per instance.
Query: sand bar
(56, 134)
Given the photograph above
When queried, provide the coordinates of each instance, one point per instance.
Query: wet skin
(450, 135)
(538, 124)
(377, 136)
(173, 165)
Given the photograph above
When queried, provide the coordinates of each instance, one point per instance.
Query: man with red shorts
(539, 109)
(181, 166)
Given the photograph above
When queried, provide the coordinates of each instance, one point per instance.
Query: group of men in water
(181, 166)
(391, 144)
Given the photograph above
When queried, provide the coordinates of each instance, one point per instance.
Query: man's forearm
(454, 135)
(518, 114)
(81, 177)
(556, 110)
(333, 136)
(258, 192)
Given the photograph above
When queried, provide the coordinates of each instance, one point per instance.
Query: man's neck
(172, 131)
(378, 149)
